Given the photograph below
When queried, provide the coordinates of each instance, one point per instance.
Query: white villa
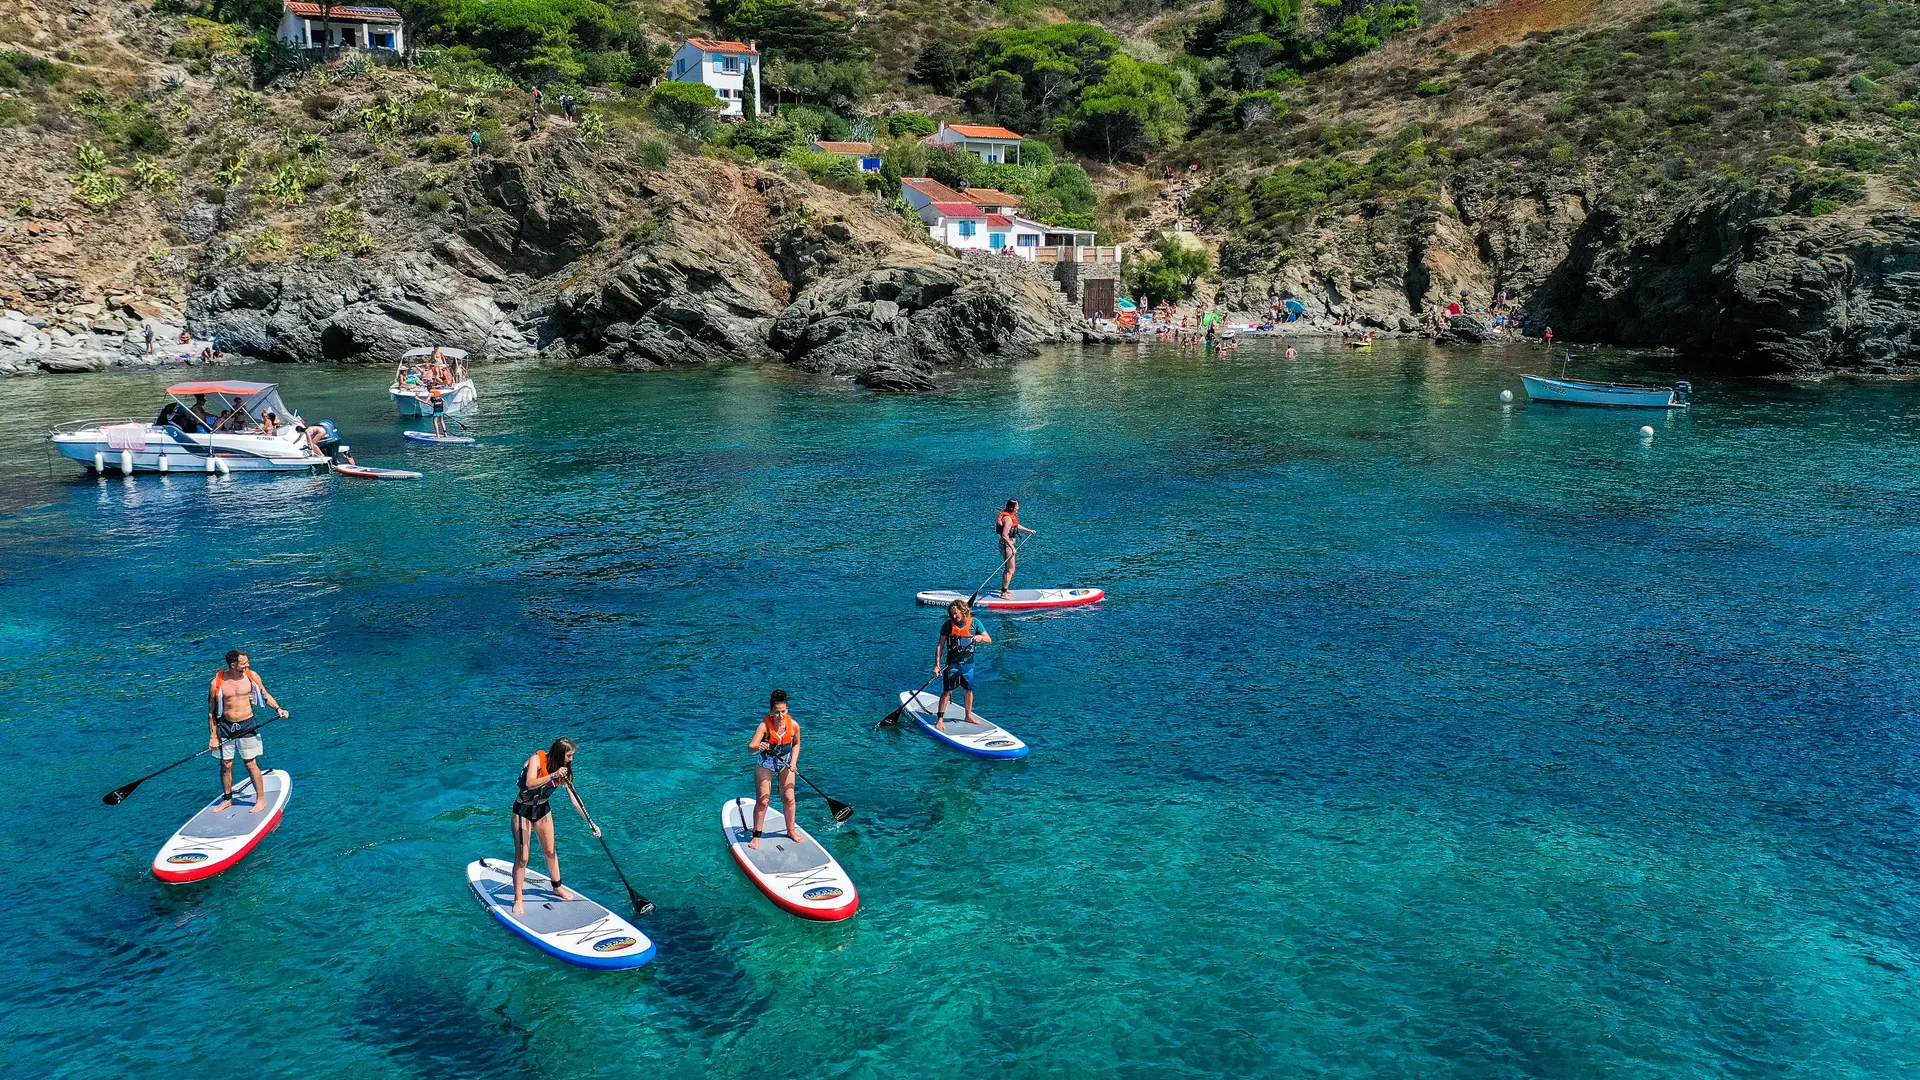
(722, 65)
(864, 154)
(959, 222)
(992, 145)
(303, 25)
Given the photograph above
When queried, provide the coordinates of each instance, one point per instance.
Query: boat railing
(72, 426)
(1603, 385)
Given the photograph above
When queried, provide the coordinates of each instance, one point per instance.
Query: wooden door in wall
(1096, 297)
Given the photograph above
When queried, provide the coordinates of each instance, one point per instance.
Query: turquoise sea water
(1420, 737)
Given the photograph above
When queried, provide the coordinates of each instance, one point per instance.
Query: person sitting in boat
(234, 419)
(269, 423)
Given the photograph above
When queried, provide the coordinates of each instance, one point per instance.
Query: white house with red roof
(305, 25)
(959, 222)
(991, 144)
(723, 65)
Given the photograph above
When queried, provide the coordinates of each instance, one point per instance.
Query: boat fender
(99, 461)
(209, 465)
(224, 471)
(163, 462)
(126, 463)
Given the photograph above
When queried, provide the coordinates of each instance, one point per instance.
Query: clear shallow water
(1420, 737)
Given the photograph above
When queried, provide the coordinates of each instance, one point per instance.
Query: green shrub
(433, 201)
(441, 148)
(18, 69)
(911, 124)
(654, 154)
(1432, 88)
(1850, 153)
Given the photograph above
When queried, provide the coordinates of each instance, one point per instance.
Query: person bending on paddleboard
(546, 771)
(1007, 524)
(776, 749)
(953, 658)
(231, 729)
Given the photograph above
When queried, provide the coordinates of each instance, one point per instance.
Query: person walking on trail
(1006, 524)
(953, 659)
(231, 727)
(544, 773)
(776, 753)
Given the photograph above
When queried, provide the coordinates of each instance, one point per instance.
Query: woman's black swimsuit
(533, 803)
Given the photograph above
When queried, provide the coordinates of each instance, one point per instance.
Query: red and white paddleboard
(799, 876)
(1018, 599)
(213, 840)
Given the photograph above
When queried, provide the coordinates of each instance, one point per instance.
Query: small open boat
(1581, 392)
(415, 399)
(213, 425)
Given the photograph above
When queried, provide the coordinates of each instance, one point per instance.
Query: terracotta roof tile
(987, 196)
(344, 13)
(933, 189)
(959, 209)
(983, 131)
(710, 45)
(999, 221)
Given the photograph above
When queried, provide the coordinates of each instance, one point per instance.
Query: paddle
(119, 795)
(641, 905)
(840, 811)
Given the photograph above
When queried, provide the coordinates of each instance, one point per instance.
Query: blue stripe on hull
(609, 964)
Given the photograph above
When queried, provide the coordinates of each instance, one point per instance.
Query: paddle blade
(641, 905)
(119, 795)
(840, 811)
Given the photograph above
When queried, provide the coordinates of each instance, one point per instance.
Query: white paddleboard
(981, 738)
(578, 931)
(801, 877)
(1018, 599)
(367, 473)
(430, 437)
(213, 840)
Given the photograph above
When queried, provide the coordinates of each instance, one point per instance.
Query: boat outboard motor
(1684, 389)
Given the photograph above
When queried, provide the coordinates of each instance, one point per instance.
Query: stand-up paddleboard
(800, 877)
(367, 473)
(1018, 599)
(213, 840)
(981, 738)
(430, 437)
(577, 931)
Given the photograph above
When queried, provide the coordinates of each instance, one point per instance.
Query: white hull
(183, 453)
(415, 401)
(1576, 392)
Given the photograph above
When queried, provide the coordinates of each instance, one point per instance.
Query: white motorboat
(411, 391)
(1581, 392)
(214, 426)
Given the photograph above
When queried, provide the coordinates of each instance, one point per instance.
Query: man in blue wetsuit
(953, 658)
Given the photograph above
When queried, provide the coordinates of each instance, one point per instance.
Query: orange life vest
(785, 736)
(1006, 523)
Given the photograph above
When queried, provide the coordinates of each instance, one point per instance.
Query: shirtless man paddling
(231, 730)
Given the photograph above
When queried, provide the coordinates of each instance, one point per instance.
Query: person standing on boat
(1006, 524)
(544, 773)
(953, 659)
(439, 403)
(231, 730)
(776, 749)
(1548, 337)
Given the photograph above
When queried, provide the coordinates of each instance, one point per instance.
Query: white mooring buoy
(1646, 431)
(1506, 395)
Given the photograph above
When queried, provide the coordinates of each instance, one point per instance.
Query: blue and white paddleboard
(981, 738)
(430, 437)
(578, 931)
